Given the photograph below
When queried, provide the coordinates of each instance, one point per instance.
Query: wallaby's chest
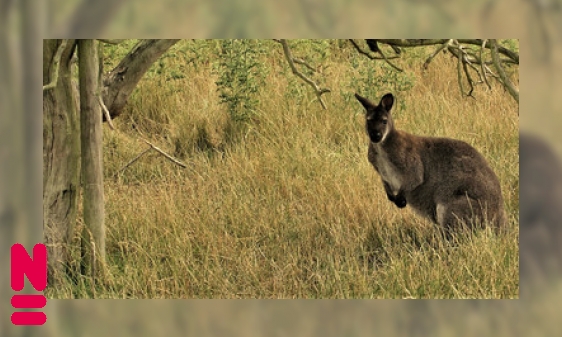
(386, 169)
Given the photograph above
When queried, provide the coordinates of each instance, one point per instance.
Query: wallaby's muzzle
(375, 136)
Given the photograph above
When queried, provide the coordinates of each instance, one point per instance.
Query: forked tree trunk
(61, 156)
(91, 135)
(62, 145)
(121, 81)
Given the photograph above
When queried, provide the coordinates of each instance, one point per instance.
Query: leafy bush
(241, 75)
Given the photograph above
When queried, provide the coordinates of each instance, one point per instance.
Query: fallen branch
(172, 159)
(132, 161)
(151, 147)
(106, 113)
(54, 75)
(288, 55)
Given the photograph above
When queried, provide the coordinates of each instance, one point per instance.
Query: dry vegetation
(287, 205)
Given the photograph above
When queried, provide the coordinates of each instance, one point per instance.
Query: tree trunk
(61, 141)
(120, 82)
(91, 135)
(61, 154)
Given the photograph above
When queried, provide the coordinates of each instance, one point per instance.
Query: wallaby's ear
(366, 103)
(387, 101)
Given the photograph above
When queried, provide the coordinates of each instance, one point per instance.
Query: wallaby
(442, 179)
(540, 211)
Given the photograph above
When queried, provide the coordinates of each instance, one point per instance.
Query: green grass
(288, 206)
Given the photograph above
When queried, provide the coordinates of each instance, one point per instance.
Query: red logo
(35, 268)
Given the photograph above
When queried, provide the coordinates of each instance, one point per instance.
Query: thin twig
(469, 78)
(54, 75)
(361, 51)
(465, 58)
(319, 91)
(504, 79)
(432, 56)
(172, 159)
(299, 61)
(489, 71)
(132, 161)
(384, 57)
(483, 65)
(459, 70)
(151, 147)
(389, 63)
(106, 113)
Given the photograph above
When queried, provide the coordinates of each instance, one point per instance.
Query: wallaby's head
(379, 121)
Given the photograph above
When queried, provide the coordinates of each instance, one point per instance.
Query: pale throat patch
(388, 172)
(384, 135)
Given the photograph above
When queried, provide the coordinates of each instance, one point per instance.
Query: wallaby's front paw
(391, 198)
(400, 201)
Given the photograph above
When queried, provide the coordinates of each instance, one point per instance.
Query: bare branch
(483, 65)
(302, 62)
(469, 78)
(131, 162)
(54, 76)
(106, 113)
(504, 79)
(319, 91)
(172, 159)
(389, 63)
(469, 59)
(151, 147)
(465, 58)
(437, 51)
(361, 51)
(428, 42)
(459, 71)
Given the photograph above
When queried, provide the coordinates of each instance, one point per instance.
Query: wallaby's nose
(375, 136)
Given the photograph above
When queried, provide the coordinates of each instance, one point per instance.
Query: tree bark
(91, 135)
(120, 82)
(61, 139)
(61, 154)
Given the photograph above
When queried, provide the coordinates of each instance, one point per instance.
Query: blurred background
(23, 24)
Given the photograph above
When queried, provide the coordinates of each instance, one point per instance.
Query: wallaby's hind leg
(458, 215)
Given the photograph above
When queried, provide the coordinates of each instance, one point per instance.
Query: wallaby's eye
(384, 121)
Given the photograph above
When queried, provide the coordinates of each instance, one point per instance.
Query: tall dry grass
(288, 206)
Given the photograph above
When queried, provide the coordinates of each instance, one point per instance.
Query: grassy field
(278, 199)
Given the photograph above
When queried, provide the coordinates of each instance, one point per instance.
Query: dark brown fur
(442, 179)
(540, 212)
